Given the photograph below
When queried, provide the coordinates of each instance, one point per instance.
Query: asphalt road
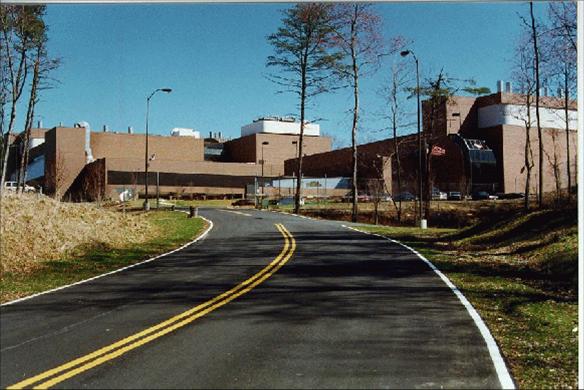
(311, 305)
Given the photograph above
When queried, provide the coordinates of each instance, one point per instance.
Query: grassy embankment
(520, 273)
(47, 244)
(443, 213)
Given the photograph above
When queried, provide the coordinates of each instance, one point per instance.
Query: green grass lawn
(520, 275)
(173, 230)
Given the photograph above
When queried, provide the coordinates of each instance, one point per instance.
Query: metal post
(146, 203)
(255, 191)
(262, 197)
(157, 189)
(420, 187)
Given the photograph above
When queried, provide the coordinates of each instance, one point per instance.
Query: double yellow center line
(68, 370)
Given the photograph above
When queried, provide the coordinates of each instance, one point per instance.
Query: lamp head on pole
(404, 53)
(167, 90)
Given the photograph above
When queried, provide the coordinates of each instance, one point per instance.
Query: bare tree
(41, 69)
(523, 75)
(562, 15)
(537, 88)
(358, 35)
(56, 174)
(398, 118)
(560, 43)
(555, 163)
(302, 52)
(19, 26)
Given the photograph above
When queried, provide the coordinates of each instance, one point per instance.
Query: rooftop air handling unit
(279, 125)
(183, 132)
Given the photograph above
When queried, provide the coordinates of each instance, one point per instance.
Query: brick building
(81, 164)
(484, 140)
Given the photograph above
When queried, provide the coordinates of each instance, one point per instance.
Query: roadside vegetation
(443, 214)
(47, 244)
(520, 272)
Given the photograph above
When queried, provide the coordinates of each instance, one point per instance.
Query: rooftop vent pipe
(130, 130)
(500, 86)
(88, 154)
(508, 88)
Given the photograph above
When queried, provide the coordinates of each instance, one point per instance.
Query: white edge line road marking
(504, 377)
(117, 270)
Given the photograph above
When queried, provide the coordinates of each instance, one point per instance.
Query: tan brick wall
(219, 168)
(132, 146)
(513, 146)
(467, 108)
(64, 157)
(279, 149)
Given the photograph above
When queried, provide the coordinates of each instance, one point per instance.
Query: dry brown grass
(35, 229)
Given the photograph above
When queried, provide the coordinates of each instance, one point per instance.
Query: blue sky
(213, 56)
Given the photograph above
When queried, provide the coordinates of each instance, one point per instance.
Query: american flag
(437, 151)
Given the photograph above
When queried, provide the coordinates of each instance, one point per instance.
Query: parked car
(404, 197)
(13, 186)
(511, 195)
(482, 195)
(243, 202)
(454, 195)
(438, 195)
(363, 198)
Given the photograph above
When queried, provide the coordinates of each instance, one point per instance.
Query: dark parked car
(511, 195)
(404, 197)
(480, 195)
(243, 202)
(454, 195)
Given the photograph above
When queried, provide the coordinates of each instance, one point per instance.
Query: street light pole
(420, 188)
(146, 163)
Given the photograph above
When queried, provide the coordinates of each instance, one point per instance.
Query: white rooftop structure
(182, 132)
(279, 125)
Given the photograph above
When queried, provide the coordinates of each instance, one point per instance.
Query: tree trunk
(566, 112)
(17, 82)
(7, 145)
(398, 167)
(528, 154)
(537, 84)
(300, 140)
(355, 120)
(29, 121)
